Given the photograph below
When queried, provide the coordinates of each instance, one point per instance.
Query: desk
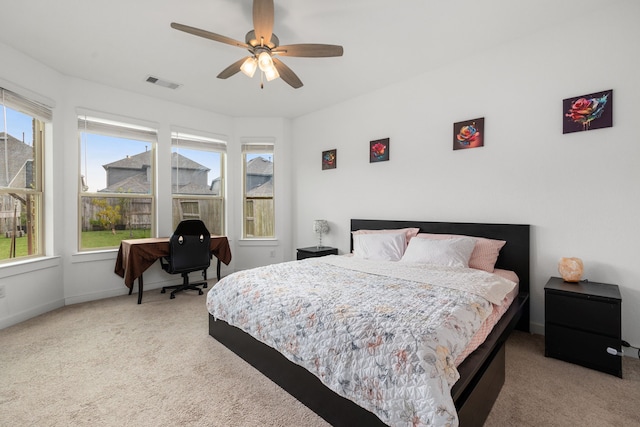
(136, 255)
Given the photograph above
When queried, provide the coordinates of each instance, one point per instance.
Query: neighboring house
(259, 208)
(259, 177)
(16, 167)
(132, 175)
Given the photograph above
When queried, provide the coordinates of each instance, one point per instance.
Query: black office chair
(188, 252)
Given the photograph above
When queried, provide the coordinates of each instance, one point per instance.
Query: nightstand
(583, 321)
(315, 251)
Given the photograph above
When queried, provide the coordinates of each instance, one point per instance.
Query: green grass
(5, 247)
(105, 238)
(90, 240)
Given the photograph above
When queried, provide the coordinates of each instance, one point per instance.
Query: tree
(125, 205)
(107, 215)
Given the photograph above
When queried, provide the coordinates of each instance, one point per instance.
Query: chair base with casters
(186, 286)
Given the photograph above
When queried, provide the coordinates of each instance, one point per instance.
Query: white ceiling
(120, 42)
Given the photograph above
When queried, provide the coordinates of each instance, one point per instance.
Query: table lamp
(320, 226)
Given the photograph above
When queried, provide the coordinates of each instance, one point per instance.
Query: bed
(481, 373)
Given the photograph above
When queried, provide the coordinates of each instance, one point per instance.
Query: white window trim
(121, 127)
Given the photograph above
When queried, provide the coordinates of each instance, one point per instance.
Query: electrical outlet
(2, 292)
(273, 254)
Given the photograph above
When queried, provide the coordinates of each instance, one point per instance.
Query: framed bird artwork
(588, 112)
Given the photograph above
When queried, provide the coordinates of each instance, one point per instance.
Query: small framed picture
(329, 159)
(379, 150)
(587, 112)
(468, 134)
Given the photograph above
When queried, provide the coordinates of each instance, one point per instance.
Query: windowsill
(258, 242)
(28, 265)
(97, 255)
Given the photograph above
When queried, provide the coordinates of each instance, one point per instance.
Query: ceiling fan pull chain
(261, 79)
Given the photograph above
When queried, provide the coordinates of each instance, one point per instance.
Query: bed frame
(482, 373)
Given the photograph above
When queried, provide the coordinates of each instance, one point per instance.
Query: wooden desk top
(137, 255)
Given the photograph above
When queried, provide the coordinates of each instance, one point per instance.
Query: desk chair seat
(188, 252)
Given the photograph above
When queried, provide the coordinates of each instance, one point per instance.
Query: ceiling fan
(264, 46)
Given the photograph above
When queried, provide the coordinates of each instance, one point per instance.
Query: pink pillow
(409, 232)
(484, 255)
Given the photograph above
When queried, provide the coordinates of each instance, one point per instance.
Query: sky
(17, 123)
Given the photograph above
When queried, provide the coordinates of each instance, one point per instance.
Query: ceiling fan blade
(263, 19)
(287, 74)
(232, 69)
(309, 50)
(208, 35)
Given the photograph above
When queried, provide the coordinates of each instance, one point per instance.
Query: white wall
(578, 191)
(66, 276)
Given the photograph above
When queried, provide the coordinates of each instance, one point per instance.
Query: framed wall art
(468, 134)
(329, 159)
(587, 112)
(379, 150)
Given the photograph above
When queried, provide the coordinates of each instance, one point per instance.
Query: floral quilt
(382, 334)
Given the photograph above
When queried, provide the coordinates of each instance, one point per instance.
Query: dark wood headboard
(514, 255)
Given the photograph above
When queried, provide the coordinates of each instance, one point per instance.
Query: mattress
(496, 314)
(382, 334)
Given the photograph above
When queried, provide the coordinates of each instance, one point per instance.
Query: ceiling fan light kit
(249, 66)
(263, 46)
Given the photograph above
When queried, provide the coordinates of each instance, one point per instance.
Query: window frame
(125, 128)
(42, 117)
(257, 147)
(201, 142)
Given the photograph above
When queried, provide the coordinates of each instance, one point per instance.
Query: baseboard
(116, 292)
(536, 328)
(32, 312)
(77, 299)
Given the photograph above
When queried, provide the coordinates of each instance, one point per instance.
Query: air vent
(164, 83)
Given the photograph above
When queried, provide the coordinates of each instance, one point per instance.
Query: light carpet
(115, 363)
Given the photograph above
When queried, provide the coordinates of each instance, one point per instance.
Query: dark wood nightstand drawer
(582, 321)
(583, 348)
(587, 313)
(316, 251)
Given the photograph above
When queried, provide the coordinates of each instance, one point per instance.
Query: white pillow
(379, 247)
(449, 252)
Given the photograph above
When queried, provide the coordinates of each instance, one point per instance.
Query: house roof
(196, 189)
(143, 160)
(182, 162)
(137, 161)
(265, 189)
(137, 184)
(260, 166)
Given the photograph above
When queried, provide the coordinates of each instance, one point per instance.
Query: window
(258, 198)
(197, 180)
(117, 176)
(23, 130)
